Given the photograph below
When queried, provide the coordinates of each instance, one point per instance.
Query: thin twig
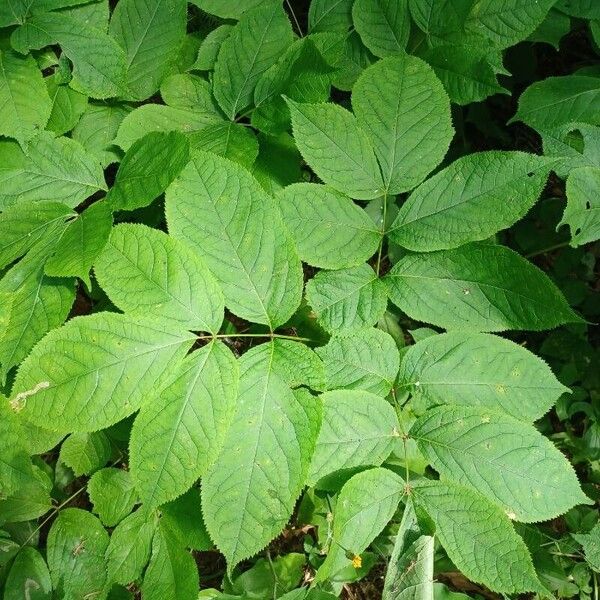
(279, 336)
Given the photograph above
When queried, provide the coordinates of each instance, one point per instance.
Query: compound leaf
(97, 370)
(177, 437)
(480, 287)
(144, 270)
(224, 213)
(479, 369)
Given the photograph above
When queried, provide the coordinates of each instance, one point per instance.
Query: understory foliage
(296, 299)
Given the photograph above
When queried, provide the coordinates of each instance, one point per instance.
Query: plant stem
(549, 249)
(52, 513)
(280, 336)
(383, 227)
(294, 17)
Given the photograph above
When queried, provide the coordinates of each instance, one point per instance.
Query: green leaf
(480, 287)
(249, 493)
(582, 213)
(53, 168)
(98, 61)
(31, 304)
(348, 299)
(481, 370)
(30, 501)
(80, 244)
(329, 15)
(112, 494)
(230, 140)
(478, 537)
(383, 25)
(143, 270)
(67, 105)
(229, 10)
(405, 111)
(76, 545)
(590, 543)
(156, 117)
(129, 548)
(441, 20)
(507, 22)
(552, 29)
(576, 144)
(254, 44)
(222, 211)
(176, 517)
(359, 429)
(127, 361)
(150, 32)
(466, 71)
(336, 148)
(365, 505)
(365, 360)
(473, 198)
(330, 231)
(98, 128)
(85, 453)
(24, 102)
(176, 438)
(584, 9)
(28, 577)
(149, 166)
(23, 225)
(15, 12)
(15, 464)
(209, 48)
(559, 100)
(471, 445)
(409, 575)
(172, 573)
(295, 363)
(182, 90)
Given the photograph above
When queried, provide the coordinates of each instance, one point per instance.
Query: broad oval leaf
(337, 149)
(479, 369)
(478, 537)
(480, 287)
(470, 200)
(28, 577)
(402, 106)
(112, 494)
(504, 459)
(359, 429)
(365, 505)
(97, 370)
(143, 270)
(221, 210)
(582, 213)
(249, 493)
(365, 360)
(348, 299)
(330, 230)
(177, 437)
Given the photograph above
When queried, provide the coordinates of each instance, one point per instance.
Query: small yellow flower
(356, 561)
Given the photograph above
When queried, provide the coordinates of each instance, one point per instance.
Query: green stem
(294, 17)
(279, 336)
(383, 225)
(549, 249)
